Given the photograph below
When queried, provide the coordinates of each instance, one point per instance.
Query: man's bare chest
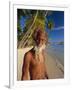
(37, 60)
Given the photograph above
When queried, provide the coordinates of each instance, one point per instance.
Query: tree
(36, 19)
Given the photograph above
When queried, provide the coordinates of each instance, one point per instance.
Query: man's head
(40, 37)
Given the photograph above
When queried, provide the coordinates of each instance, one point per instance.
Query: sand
(55, 69)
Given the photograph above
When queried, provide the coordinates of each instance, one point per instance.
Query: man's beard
(39, 49)
(38, 52)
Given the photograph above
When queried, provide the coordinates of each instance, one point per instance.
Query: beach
(55, 68)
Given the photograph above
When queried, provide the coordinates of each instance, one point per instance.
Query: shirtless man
(34, 60)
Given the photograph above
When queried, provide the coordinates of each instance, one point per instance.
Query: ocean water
(56, 51)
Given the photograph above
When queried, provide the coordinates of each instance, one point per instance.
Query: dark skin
(33, 68)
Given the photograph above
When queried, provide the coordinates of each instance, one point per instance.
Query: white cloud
(58, 28)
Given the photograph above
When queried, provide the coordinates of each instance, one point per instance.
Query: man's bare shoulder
(29, 54)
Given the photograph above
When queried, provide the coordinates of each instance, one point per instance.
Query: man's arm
(25, 67)
(46, 74)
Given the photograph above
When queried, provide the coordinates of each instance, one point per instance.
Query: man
(34, 60)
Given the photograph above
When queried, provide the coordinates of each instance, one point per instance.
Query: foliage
(35, 19)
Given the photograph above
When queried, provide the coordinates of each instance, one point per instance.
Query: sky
(57, 32)
(22, 21)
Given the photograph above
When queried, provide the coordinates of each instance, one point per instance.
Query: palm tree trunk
(27, 33)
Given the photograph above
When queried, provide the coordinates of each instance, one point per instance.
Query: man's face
(42, 40)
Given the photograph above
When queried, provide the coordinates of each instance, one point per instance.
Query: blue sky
(57, 33)
(22, 22)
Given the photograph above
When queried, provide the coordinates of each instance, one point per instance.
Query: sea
(56, 51)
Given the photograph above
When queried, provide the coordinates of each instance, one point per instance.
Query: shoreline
(57, 52)
(54, 68)
(57, 60)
